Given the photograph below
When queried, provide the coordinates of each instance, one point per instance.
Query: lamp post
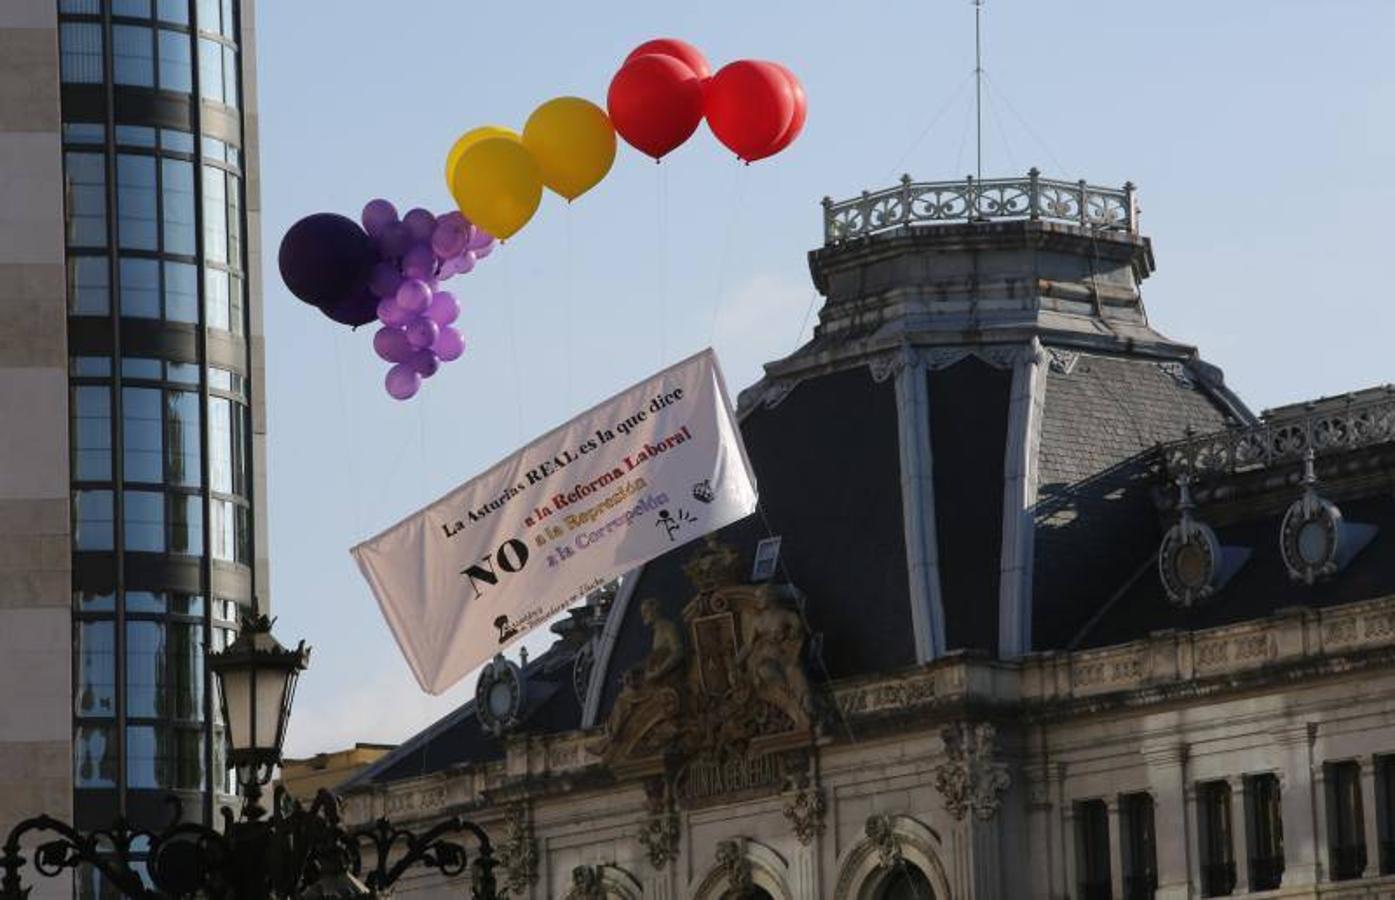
(293, 851)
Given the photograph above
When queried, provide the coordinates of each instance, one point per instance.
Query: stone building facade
(1034, 607)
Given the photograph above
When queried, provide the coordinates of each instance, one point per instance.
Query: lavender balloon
(402, 381)
(465, 263)
(424, 363)
(449, 345)
(451, 235)
(377, 215)
(422, 332)
(385, 279)
(444, 308)
(391, 345)
(420, 223)
(392, 315)
(394, 240)
(414, 296)
(419, 262)
(481, 239)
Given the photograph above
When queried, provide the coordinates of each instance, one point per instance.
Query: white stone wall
(35, 580)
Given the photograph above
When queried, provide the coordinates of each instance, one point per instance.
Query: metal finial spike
(1309, 469)
(523, 656)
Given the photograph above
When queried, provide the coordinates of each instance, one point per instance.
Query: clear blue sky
(1259, 133)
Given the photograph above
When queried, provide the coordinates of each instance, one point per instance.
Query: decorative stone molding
(603, 881)
(734, 866)
(518, 853)
(889, 841)
(660, 832)
(1178, 372)
(805, 810)
(972, 778)
(883, 839)
(1062, 361)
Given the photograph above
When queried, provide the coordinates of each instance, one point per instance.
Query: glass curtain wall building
(163, 349)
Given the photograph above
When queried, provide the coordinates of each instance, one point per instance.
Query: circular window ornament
(1310, 538)
(1189, 562)
(499, 695)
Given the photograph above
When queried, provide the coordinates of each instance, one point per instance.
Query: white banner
(646, 471)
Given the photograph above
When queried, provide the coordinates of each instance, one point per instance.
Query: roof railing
(1327, 427)
(920, 203)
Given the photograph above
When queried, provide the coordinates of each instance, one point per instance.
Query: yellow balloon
(497, 185)
(468, 140)
(574, 143)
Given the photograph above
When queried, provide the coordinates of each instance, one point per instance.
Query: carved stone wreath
(971, 778)
(734, 865)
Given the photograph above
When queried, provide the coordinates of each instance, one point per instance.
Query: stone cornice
(1167, 667)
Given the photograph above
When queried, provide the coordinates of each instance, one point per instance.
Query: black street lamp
(295, 852)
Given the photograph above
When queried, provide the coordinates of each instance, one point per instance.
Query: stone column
(1300, 796)
(1370, 822)
(1071, 846)
(918, 505)
(1039, 830)
(1172, 828)
(1239, 833)
(1116, 846)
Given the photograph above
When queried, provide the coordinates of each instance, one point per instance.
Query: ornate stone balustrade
(918, 203)
(1327, 427)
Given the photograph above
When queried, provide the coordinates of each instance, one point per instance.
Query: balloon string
(507, 273)
(661, 264)
(738, 190)
(570, 301)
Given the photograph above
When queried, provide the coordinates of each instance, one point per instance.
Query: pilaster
(1019, 498)
(1116, 846)
(1304, 813)
(1370, 822)
(918, 505)
(1174, 823)
(1240, 833)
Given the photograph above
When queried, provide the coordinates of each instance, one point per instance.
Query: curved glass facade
(161, 395)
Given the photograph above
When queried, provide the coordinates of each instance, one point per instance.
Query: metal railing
(1286, 439)
(913, 203)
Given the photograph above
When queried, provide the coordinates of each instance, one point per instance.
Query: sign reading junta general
(646, 471)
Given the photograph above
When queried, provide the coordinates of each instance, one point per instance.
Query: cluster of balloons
(665, 88)
(497, 175)
(417, 253)
(388, 270)
(662, 92)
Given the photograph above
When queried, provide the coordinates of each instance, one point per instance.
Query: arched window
(905, 882)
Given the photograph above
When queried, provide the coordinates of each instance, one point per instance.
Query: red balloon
(682, 51)
(750, 105)
(801, 112)
(655, 103)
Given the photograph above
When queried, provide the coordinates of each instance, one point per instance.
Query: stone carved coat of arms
(721, 698)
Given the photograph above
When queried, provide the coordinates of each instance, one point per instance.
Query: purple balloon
(422, 332)
(465, 262)
(391, 345)
(414, 296)
(424, 363)
(394, 240)
(419, 262)
(402, 381)
(354, 310)
(449, 345)
(390, 314)
(451, 235)
(324, 258)
(377, 215)
(420, 223)
(385, 279)
(444, 308)
(481, 238)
